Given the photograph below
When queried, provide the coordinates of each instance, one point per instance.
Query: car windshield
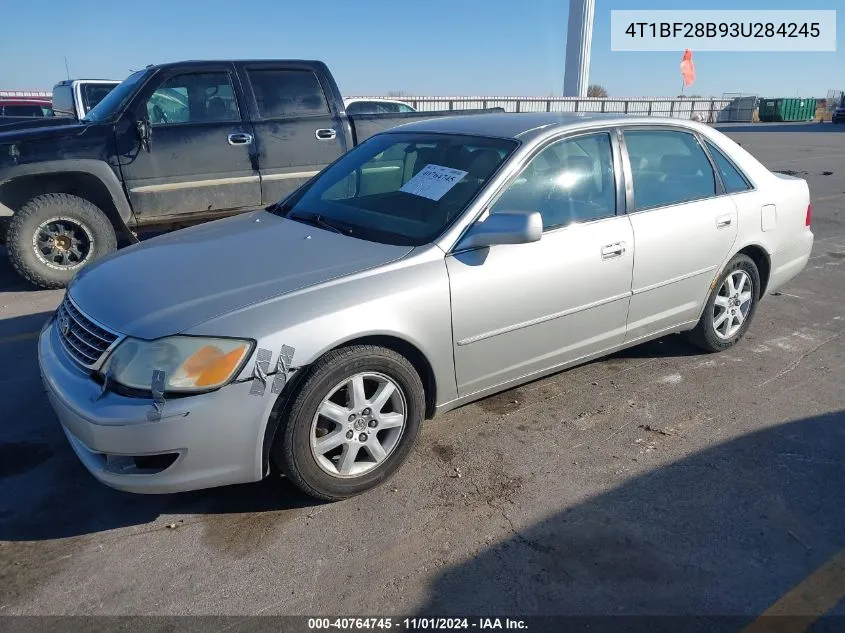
(400, 188)
(114, 101)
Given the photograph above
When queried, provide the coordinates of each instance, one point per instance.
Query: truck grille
(83, 339)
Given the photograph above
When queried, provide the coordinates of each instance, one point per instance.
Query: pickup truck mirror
(144, 129)
(506, 227)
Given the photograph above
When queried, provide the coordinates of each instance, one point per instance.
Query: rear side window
(25, 110)
(668, 167)
(287, 93)
(92, 94)
(732, 178)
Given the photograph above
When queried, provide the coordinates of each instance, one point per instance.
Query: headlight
(189, 363)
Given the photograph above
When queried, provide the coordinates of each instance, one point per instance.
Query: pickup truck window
(287, 93)
(115, 100)
(194, 98)
(374, 191)
(376, 107)
(92, 94)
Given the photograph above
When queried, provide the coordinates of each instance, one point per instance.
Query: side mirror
(507, 227)
(144, 129)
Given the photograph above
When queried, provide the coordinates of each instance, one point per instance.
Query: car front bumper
(199, 441)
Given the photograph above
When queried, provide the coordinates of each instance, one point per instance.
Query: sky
(419, 47)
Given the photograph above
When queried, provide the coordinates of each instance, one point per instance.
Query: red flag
(688, 68)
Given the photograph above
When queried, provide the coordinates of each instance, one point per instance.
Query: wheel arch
(760, 257)
(398, 344)
(89, 179)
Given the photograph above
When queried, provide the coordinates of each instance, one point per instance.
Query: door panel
(684, 228)
(297, 132)
(198, 161)
(519, 309)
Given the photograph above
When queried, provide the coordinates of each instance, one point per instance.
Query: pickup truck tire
(331, 418)
(54, 235)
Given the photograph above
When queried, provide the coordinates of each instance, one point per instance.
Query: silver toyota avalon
(432, 265)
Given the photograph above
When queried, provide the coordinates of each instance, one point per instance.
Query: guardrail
(739, 109)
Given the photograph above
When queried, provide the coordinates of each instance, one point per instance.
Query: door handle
(722, 221)
(240, 138)
(325, 134)
(613, 250)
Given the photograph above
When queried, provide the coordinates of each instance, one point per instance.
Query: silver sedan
(432, 265)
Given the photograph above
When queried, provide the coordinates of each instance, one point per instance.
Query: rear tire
(54, 235)
(376, 436)
(730, 306)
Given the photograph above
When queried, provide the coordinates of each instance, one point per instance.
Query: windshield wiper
(318, 220)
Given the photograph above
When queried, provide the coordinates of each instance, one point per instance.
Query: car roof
(528, 125)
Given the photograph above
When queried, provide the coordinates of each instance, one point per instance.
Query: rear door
(297, 130)
(201, 156)
(684, 227)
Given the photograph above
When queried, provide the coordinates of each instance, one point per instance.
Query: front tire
(352, 423)
(730, 306)
(54, 235)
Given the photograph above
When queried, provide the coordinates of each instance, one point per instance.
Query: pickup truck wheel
(54, 235)
(352, 423)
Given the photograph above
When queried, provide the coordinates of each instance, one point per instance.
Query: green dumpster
(785, 110)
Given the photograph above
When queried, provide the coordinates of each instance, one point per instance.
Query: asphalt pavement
(657, 481)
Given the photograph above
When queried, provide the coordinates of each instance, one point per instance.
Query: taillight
(809, 217)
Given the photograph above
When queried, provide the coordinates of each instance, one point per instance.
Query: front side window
(570, 181)
(287, 93)
(400, 188)
(194, 98)
(668, 167)
(733, 180)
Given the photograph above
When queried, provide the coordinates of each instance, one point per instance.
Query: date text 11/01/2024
(723, 29)
(415, 624)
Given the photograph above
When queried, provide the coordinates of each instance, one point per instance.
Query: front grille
(83, 339)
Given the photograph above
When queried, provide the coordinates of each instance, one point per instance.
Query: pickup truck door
(201, 156)
(298, 128)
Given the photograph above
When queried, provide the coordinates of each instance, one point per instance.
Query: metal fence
(740, 109)
(25, 93)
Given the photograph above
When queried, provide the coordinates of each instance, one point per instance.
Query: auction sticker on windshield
(433, 182)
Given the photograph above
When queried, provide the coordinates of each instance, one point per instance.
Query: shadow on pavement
(726, 531)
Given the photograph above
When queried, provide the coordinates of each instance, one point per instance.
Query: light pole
(579, 38)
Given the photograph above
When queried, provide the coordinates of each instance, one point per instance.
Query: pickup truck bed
(173, 144)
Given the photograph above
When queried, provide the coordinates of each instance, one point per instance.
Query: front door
(684, 228)
(201, 152)
(520, 309)
(298, 133)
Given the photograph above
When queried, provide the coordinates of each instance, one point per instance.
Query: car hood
(38, 123)
(27, 131)
(173, 282)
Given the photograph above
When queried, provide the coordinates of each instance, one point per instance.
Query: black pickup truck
(173, 144)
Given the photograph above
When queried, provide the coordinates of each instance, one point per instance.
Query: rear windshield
(116, 99)
(401, 188)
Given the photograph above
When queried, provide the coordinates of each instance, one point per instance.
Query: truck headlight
(190, 363)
